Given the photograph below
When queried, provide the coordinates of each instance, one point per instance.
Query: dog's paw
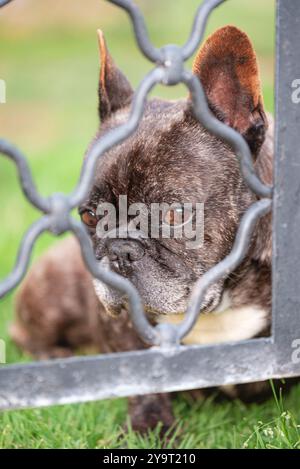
(146, 412)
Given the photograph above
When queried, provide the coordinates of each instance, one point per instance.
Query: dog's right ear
(227, 67)
(115, 91)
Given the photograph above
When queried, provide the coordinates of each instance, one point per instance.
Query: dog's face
(171, 158)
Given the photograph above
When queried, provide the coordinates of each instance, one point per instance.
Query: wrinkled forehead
(158, 119)
(169, 149)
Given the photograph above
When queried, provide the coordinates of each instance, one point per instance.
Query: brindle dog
(170, 158)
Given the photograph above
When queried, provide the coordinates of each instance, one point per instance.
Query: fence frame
(168, 366)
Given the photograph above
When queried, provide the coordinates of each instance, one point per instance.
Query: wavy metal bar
(144, 328)
(24, 173)
(226, 133)
(226, 266)
(140, 30)
(199, 25)
(4, 2)
(23, 258)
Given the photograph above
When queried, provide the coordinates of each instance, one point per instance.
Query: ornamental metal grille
(169, 366)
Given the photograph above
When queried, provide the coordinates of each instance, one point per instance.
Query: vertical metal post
(286, 222)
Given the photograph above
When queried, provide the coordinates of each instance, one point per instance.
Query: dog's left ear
(228, 70)
(115, 91)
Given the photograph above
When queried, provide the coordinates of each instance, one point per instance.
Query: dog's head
(171, 158)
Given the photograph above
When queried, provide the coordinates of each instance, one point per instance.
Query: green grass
(49, 60)
(204, 424)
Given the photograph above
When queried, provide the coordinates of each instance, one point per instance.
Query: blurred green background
(49, 60)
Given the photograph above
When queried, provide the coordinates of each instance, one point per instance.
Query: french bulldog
(171, 158)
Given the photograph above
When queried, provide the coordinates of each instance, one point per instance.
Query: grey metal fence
(169, 366)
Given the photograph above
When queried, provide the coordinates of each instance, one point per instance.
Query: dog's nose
(124, 251)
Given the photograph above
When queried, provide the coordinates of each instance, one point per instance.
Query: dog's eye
(177, 216)
(89, 218)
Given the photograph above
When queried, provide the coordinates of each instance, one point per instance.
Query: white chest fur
(225, 324)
